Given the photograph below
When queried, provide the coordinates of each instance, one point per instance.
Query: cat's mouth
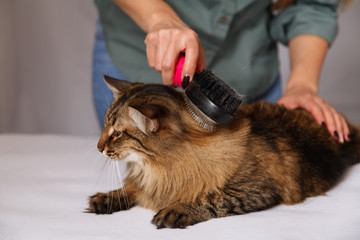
(111, 154)
(128, 157)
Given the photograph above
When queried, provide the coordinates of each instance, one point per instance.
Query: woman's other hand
(307, 54)
(326, 115)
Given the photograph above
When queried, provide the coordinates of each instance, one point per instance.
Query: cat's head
(144, 119)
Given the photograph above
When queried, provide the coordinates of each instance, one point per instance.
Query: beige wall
(50, 50)
(7, 64)
(45, 66)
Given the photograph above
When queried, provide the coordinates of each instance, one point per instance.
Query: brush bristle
(218, 91)
(199, 117)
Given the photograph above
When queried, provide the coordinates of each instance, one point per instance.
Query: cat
(267, 155)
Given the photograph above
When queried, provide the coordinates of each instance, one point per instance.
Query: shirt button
(224, 20)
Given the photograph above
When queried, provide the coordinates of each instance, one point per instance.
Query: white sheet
(45, 181)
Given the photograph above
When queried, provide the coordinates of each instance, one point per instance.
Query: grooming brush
(209, 100)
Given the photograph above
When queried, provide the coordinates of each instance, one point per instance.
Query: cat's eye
(116, 134)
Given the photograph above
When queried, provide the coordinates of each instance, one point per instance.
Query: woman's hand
(165, 41)
(302, 97)
(307, 54)
(167, 37)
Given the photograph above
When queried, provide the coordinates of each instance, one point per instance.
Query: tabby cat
(267, 155)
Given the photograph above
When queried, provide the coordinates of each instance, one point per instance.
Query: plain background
(45, 66)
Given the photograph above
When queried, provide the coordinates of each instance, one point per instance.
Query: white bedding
(45, 181)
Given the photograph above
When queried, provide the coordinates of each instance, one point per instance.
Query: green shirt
(239, 37)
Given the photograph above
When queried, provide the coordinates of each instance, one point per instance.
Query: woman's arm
(167, 36)
(307, 55)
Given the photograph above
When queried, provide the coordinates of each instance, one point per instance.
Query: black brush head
(213, 97)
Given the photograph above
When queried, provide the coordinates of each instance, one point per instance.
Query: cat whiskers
(113, 186)
(115, 183)
(109, 178)
(126, 199)
(102, 170)
(121, 186)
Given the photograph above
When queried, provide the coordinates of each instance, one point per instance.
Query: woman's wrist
(304, 83)
(307, 54)
(160, 20)
(150, 13)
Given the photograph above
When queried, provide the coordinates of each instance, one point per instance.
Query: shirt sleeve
(313, 17)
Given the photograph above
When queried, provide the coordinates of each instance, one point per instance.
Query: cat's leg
(244, 198)
(117, 200)
(231, 200)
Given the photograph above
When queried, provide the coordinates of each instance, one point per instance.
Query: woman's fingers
(192, 53)
(164, 46)
(151, 44)
(323, 113)
(329, 116)
(342, 129)
(346, 129)
(168, 63)
(164, 40)
(335, 122)
(201, 64)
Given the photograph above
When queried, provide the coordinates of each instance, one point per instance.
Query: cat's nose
(100, 148)
(102, 142)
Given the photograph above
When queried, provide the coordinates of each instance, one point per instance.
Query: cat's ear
(116, 85)
(144, 123)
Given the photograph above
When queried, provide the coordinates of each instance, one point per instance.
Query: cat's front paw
(173, 217)
(102, 203)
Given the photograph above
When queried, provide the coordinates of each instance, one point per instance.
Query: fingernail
(185, 81)
(341, 138)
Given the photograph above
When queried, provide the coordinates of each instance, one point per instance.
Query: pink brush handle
(178, 70)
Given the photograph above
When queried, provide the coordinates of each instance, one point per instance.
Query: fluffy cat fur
(267, 155)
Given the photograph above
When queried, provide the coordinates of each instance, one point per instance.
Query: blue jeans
(273, 94)
(102, 65)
